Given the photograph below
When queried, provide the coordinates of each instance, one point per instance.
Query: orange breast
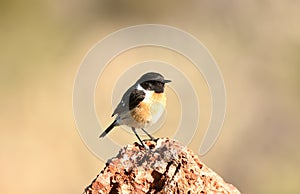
(150, 110)
(141, 113)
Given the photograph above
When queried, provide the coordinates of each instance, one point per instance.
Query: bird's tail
(109, 128)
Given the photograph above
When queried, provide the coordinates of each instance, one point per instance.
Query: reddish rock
(165, 167)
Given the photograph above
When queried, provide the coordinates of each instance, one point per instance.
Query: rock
(165, 167)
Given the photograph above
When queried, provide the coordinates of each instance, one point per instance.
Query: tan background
(42, 43)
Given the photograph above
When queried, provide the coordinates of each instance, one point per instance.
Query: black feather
(136, 97)
(130, 100)
(109, 128)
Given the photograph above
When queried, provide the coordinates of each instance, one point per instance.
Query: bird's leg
(151, 137)
(134, 131)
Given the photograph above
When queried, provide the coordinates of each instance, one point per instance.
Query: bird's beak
(167, 81)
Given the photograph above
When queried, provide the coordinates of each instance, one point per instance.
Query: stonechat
(141, 105)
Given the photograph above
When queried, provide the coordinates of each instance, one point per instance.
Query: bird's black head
(153, 81)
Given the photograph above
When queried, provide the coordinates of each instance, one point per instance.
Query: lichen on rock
(165, 167)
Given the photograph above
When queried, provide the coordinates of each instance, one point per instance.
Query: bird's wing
(130, 100)
(135, 98)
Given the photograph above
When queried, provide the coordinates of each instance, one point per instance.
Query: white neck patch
(147, 92)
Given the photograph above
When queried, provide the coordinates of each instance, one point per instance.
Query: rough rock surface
(166, 167)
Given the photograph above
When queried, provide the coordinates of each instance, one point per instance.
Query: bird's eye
(147, 85)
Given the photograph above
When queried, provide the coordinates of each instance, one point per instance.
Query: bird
(141, 105)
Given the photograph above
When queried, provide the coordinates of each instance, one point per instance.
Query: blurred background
(256, 44)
